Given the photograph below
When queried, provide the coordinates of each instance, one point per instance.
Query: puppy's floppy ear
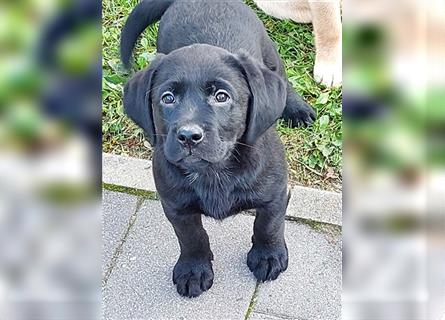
(268, 99)
(137, 99)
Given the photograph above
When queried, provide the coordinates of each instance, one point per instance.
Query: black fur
(239, 164)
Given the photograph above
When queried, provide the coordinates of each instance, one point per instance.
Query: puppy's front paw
(328, 70)
(192, 277)
(267, 263)
(300, 115)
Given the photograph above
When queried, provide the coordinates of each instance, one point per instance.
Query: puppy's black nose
(190, 135)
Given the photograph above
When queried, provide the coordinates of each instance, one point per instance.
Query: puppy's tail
(144, 14)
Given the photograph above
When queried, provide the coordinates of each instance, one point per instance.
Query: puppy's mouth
(192, 161)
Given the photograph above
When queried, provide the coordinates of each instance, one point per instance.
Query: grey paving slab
(116, 211)
(311, 286)
(140, 286)
(127, 172)
(317, 205)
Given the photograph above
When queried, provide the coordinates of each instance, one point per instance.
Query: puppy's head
(197, 102)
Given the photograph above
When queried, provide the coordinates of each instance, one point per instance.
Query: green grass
(314, 154)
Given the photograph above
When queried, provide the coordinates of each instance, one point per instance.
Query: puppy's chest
(219, 200)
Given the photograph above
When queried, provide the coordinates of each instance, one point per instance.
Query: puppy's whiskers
(192, 177)
(166, 121)
(238, 153)
(234, 156)
(247, 145)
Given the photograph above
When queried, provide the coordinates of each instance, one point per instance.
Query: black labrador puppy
(208, 104)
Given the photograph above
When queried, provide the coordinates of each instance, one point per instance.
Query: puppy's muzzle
(190, 135)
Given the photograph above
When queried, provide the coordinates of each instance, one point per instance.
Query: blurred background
(50, 147)
(394, 159)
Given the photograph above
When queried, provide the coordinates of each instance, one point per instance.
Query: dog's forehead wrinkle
(201, 50)
(194, 56)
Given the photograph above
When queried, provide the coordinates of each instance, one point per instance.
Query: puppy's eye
(168, 98)
(222, 96)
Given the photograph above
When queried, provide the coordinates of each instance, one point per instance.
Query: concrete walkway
(140, 250)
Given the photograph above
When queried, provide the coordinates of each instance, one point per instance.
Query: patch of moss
(315, 225)
(318, 226)
(252, 301)
(150, 195)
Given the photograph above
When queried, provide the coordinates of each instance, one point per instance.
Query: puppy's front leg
(193, 273)
(268, 256)
(326, 20)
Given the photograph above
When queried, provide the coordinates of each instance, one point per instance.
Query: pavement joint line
(252, 302)
(318, 226)
(315, 225)
(150, 195)
(119, 249)
(278, 315)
